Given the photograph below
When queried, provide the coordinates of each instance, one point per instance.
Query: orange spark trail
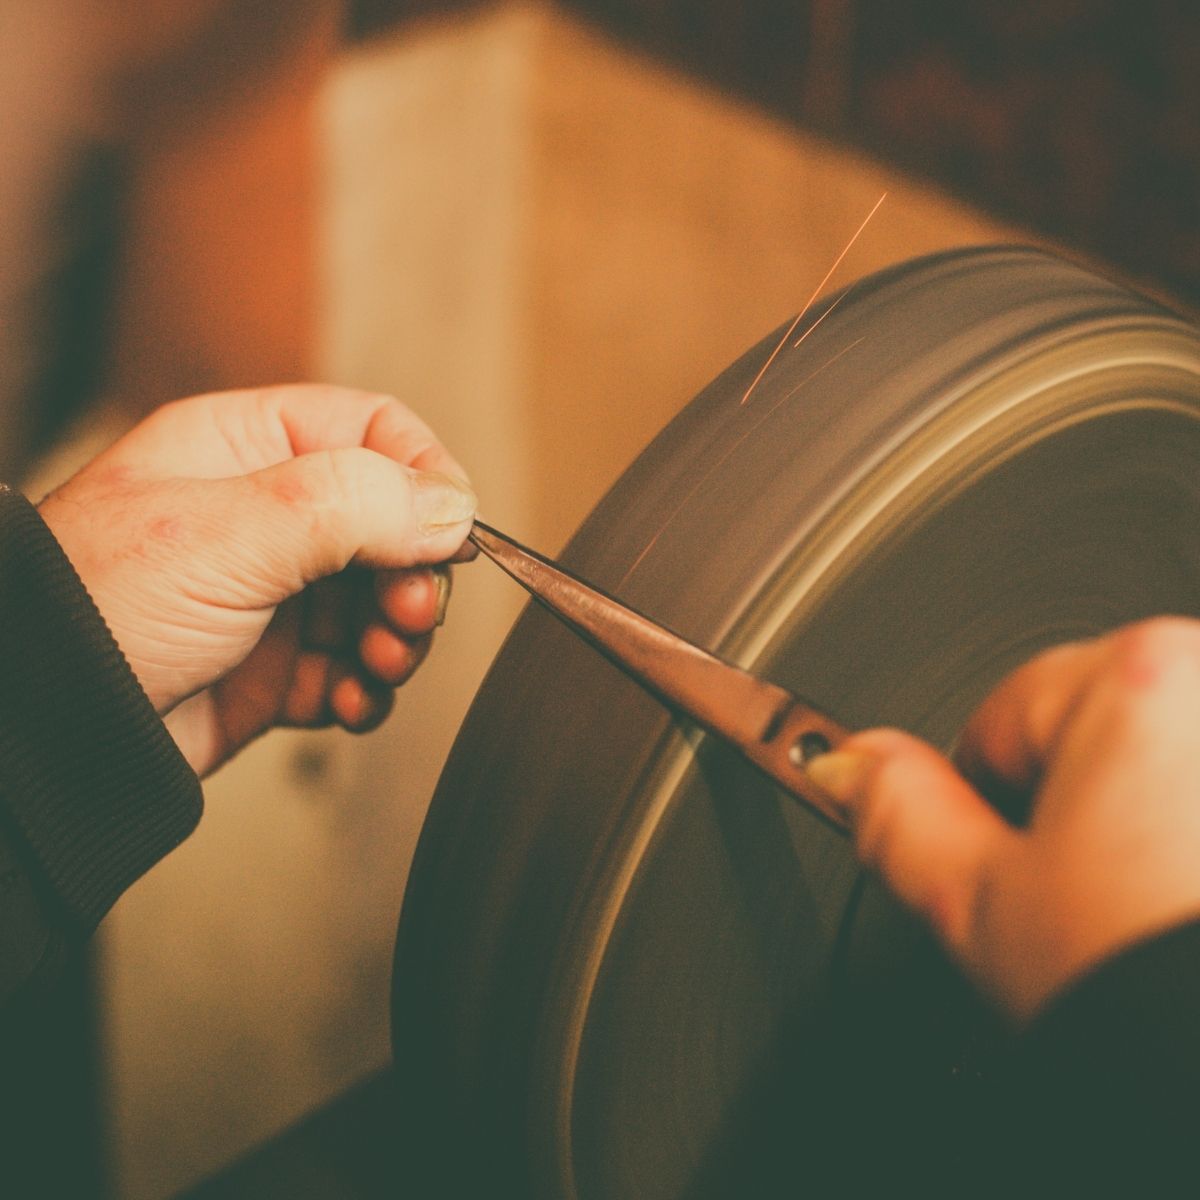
(729, 450)
(809, 378)
(822, 317)
(812, 299)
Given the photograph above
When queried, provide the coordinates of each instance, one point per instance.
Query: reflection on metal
(628, 966)
(772, 728)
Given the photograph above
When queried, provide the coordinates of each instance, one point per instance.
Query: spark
(813, 375)
(637, 562)
(812, 299)
(729, 451)
(822, 317)
(783, 341)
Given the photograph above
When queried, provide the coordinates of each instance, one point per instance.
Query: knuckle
(338, 510)
(319, 493)
(1154, 634)
(295, 486)
(1142, 654)
(335, 485)
(342, 478)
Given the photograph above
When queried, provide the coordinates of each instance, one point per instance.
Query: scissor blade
(768, 724)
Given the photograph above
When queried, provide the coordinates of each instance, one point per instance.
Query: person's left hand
(263, 557)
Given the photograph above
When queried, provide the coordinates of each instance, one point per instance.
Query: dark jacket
(93, 790)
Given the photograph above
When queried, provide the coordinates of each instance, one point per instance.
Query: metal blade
(771, 727)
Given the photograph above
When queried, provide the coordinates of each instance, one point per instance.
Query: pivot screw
(807, 747)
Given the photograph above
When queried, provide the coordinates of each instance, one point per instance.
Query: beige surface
(672, 229)
(547, 247)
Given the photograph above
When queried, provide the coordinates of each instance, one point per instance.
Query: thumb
(932, 838)
(312, 515)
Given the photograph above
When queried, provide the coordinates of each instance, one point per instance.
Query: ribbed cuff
(89, 775)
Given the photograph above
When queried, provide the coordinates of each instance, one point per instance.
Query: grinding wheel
(627, 966)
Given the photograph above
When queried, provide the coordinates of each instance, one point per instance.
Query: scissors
(773, 729)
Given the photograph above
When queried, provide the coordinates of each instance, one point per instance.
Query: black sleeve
(93, 790)
(1103, 1090)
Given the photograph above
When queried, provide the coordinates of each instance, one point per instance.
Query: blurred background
(546, 226)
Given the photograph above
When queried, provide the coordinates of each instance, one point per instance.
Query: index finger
(326, 418)
(234, 433)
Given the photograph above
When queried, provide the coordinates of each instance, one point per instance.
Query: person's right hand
(1104, 735)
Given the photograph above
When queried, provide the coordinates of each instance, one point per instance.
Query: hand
(262, 557)
(1104, 735)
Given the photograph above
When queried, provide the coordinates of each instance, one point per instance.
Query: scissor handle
(797, 736)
